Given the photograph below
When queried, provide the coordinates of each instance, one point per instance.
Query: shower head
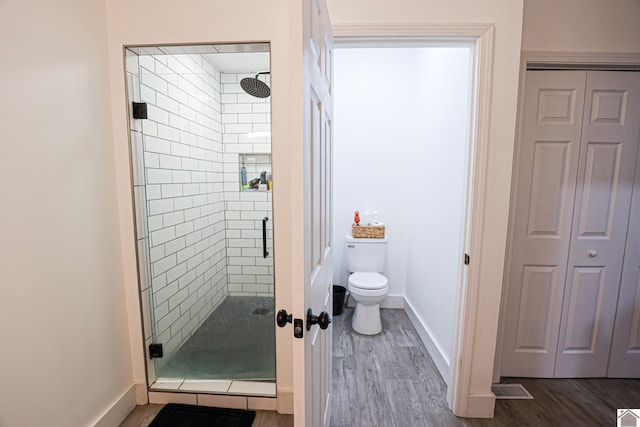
(255, 87)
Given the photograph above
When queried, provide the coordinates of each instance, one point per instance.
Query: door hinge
(466, 259)
(139, 110)
(155, 351)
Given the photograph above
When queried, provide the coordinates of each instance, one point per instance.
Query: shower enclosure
(201, 169)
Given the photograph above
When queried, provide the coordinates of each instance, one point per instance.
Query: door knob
(282, 318)
(322, 320)
(592, 253)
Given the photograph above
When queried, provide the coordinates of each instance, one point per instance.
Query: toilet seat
(368, 281)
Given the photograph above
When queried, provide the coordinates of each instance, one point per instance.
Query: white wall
(579, 25)
(376, 127)
(65, 346)
(439, 162)
(506, 17)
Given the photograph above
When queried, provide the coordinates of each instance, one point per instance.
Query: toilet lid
(369, 281)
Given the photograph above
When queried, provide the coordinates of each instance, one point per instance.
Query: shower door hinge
(139, 110)
(155, 351)
(466, 259)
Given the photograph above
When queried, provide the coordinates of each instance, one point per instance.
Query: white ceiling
(244, 62)
(226, 58)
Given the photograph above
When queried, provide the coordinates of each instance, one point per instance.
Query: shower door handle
(265, 253)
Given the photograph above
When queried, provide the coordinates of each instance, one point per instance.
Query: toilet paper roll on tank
(369, 218)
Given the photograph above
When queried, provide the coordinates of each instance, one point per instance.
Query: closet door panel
(624, 361)
(547, 169)
(601, 178)
(607, 161)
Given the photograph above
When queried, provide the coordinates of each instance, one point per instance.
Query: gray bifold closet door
(574, 188)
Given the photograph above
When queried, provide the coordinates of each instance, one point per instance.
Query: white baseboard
(393, 301)
(479, 406)
(285, 401)
(119, 409)
(433, 348)
(390, 301)
(142, 394)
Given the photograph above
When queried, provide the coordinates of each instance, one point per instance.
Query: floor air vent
(510, 391)
(261, 311)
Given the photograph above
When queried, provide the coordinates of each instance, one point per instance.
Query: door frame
(568, 60)
(461, 399)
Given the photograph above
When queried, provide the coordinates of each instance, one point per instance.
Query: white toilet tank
(365, 255)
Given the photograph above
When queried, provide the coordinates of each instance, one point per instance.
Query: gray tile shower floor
(236, 342)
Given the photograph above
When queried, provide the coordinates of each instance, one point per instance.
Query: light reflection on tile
(167, 384)
(206, 386)
(253, 388)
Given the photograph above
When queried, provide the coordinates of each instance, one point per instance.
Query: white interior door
(548, 163)
(624, 361)
(600, 221)
(568, 251)
(317, 183)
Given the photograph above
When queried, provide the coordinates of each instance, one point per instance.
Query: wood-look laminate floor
(390, 380)
(385, 380)
(565, 402)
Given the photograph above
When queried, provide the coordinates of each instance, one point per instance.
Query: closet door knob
(592, 253)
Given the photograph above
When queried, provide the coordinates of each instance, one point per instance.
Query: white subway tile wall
(181, 209)
(250, 274)
(201, 235)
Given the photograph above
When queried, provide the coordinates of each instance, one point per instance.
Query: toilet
(365, 262)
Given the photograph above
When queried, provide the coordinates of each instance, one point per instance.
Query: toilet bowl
(367, 286)
(368, 290)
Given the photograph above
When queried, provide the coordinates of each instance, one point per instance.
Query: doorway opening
(403, 140)
(200, 139)
(466, 358)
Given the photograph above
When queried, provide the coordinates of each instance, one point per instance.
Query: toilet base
(366, 319)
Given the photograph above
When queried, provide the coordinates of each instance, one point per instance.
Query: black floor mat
(173, 415)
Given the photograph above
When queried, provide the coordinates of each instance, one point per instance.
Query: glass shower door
(202, 180)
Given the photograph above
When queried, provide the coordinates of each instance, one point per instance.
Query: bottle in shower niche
(263, 186)
(243, 176)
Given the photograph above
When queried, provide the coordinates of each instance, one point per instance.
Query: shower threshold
(230, 387)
